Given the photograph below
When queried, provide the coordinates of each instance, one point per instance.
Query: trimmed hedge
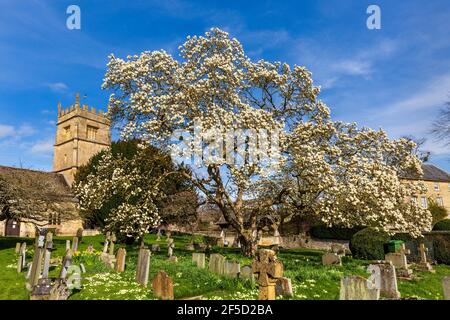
(337, 233)
(368, 244)
(443, 225)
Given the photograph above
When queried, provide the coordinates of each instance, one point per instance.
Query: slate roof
(431, 173)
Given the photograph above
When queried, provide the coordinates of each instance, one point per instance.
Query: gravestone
(105, 246)
(50, 289)
(156, 248)
(47, 255)
(357, 288)
(170, 246)
(67, 245)
(400, 262)
(17, 248)
(216, 263)
(232, 269)
(190, 247)
(283, 287)
(107, 259)
(338, 249)
(446, 286)
(29, 267)
(424, 265)
(143, 267)
(83, 268)
(66, 263)
(199, 259)
(384, 278)
(173, 259)
(75, 244)
(247, 273)
(268, 269)
(158, 235)
(162, 286)
(36, 265)
(330, 258)
(120, 260)
(111, 244)
(90, 248)
(21, 262)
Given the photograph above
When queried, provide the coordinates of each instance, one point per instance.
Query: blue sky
(395, 78)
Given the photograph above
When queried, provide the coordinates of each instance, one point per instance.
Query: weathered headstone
(173, 259)
(21, 262)
(156, 248)
(199, 259)
(143, 266)
(48, 253)
(338, 249)
(384, 278)
(67, 245)
(29, 267)
(190, 247)
(66, 263)
(232, 269)
(111, 244)
(50, 289)
(247, 273)
(424, 265)
(158, 235)
(36, 265)
(331, 258)
(90, 248)
(357, 288)
(120, 260)
(216, 263)
(75, 244)
(400, 262)
(170, 246)
(105, 246)
(283, 287)
(17, 248)
(162, 286)
(269, 269)
(446, 286)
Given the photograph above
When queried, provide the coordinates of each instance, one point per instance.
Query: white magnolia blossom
(355, 172)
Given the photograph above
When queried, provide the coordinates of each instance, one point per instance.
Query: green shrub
(438, 212)
(441, 247)
(338, 233)
(443, 225)
(368, 244)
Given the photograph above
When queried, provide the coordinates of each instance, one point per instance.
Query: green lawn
(310, 279)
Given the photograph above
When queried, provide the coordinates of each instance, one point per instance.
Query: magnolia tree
(239, 123)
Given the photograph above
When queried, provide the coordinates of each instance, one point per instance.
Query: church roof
(431, 173)
(37, 185)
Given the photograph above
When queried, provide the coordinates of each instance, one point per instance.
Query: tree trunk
(249, 245)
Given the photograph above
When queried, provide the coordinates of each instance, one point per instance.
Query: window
(91, 133)
(436, 186)
(440, 201)
(424, 202)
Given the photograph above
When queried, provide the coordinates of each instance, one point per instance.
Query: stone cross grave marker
(143, 266)
(120, 260)
(269, 269)
(162, 286)
(400, 262)
(357, 288)
(199, 259)
(283, 287)
(47, 255)
(384, 278)
(446, 286)
(424, 265)
(75, 244)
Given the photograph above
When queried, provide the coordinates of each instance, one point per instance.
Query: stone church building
(31, 198)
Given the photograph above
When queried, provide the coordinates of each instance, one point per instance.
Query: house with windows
(437, 182)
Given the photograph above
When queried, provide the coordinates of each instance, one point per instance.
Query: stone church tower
(81, 133)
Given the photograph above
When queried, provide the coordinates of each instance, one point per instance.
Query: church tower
(81, 133)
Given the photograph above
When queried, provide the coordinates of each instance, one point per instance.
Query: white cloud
(6, 130)
(58, 86)
(42, 147)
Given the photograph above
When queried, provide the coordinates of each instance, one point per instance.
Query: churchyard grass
(310, 279)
